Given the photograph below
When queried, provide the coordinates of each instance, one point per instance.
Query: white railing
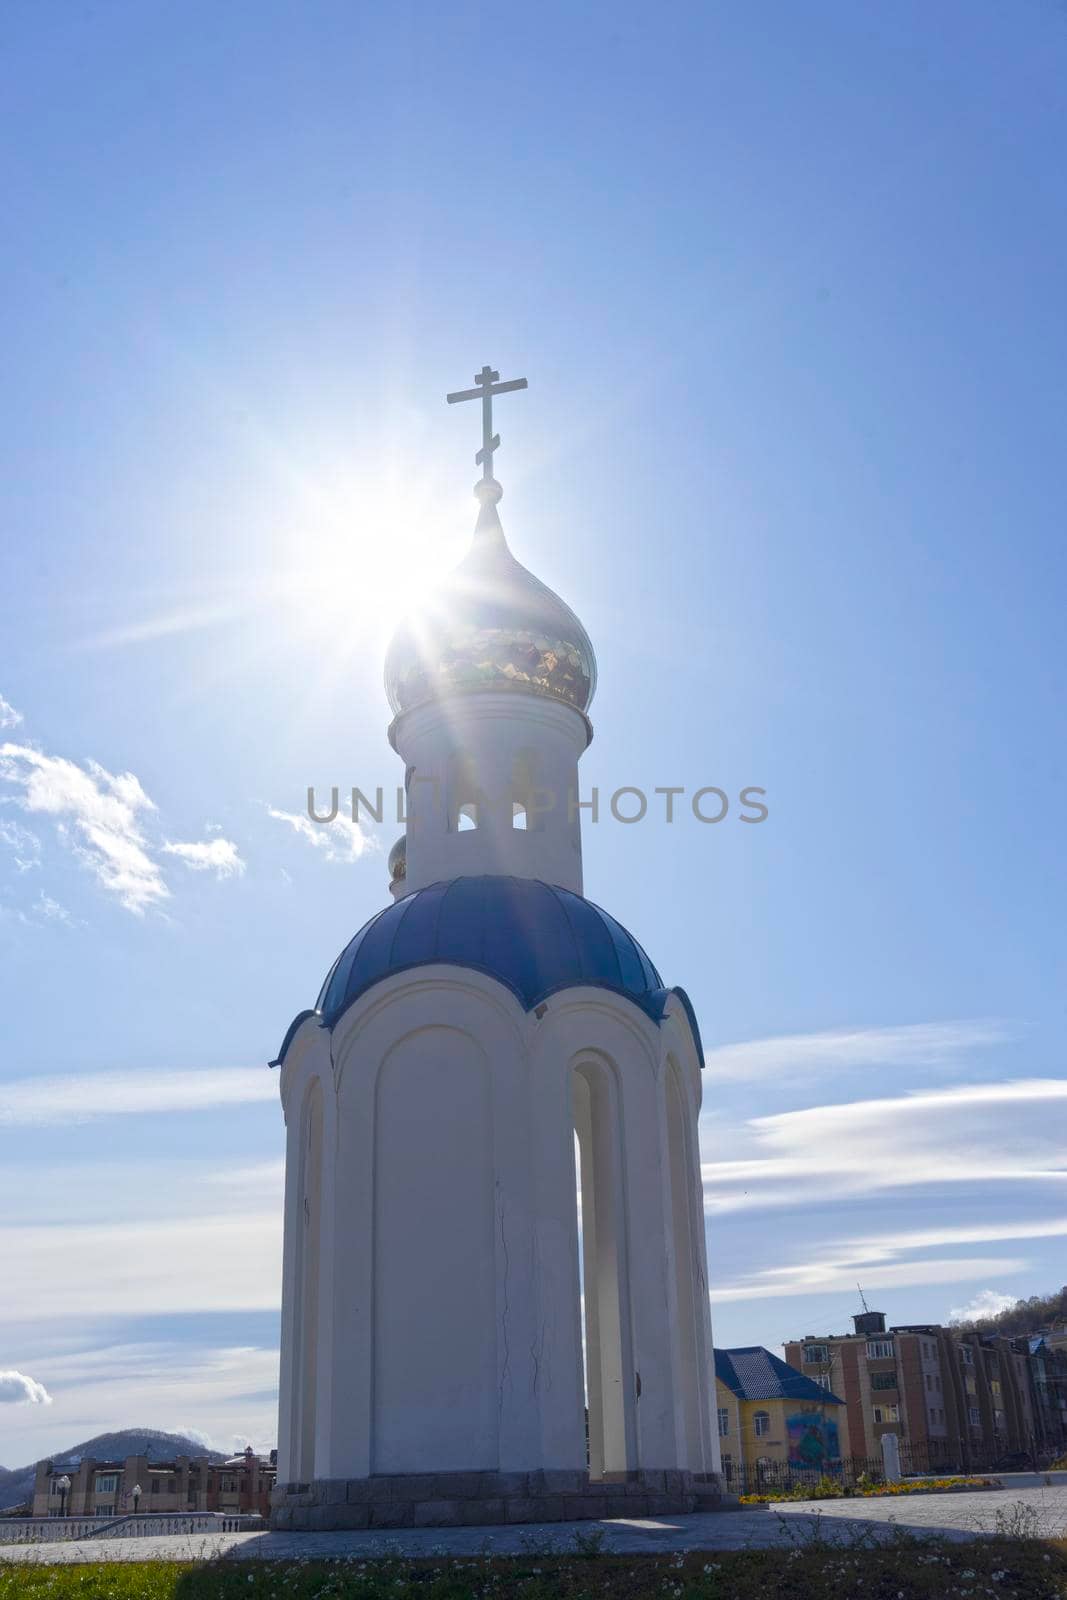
(138, 1525)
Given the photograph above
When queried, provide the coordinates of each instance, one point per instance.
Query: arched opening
(436, 1397)
(518, 815)
(467, 817)
(687, 1271)
(309, 1225)
(610, 1381)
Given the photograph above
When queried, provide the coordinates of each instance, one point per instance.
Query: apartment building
(956, 1400)
(1048, 1373)
(115, 1488)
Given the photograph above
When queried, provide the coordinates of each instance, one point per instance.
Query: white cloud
(9, 717)
(917, 1044)
(211, 855)
(41, 1102)
(923, 1138)
(986, 1303)
(98, 812)
(101, 816)
(339, 840)
(17, 1389)
(198, 1435)
(216, 1263)
(224, 1389)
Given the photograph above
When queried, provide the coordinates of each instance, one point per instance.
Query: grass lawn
(906, 1569)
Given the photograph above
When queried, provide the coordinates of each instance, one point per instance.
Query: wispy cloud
(924, 1138)
(9, 717)
(37, 1102)
(25, 846)
(185, 620)
(339, 840)
(98, 812)
(826, 1277)
(217, 855)
(141, 1268)
(17, 1389)
(986, 1303)
(881, 1261)
(916, 1044)
(52, 911)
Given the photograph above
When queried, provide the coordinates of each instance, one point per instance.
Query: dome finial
(488, 493)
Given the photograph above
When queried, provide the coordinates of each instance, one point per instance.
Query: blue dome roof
(533, 937)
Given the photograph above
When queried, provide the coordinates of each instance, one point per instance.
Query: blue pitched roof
(753, 1373)
(534, 937)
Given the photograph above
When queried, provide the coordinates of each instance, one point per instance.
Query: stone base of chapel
(476, 1499)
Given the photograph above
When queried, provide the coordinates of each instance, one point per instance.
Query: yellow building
(774, 1423)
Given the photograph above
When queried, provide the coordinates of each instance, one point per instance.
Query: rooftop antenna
(863, 1299)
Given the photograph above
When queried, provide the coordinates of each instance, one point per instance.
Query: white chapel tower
(491, 1109)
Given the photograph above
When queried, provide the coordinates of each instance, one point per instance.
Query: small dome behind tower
(398, 865)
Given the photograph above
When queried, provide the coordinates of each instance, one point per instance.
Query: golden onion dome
(490, 625)
(398, 860)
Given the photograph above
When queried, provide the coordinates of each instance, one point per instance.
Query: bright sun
(368, 562)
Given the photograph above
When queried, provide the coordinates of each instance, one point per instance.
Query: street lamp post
(136, 1492)
(63, 1485)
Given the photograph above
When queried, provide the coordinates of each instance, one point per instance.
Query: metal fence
(850, 1472)
(36, 1530)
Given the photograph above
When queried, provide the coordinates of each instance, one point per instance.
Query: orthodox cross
(489, 384)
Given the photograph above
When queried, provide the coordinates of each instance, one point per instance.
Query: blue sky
(787, 286)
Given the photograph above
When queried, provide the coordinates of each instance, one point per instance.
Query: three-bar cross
(488, 385)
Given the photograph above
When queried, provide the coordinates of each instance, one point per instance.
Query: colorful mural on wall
(812, 1441)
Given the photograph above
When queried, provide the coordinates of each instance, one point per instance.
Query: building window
(761, 1423)
(155, 1485)
(724, 1422)
(966, 1355)
(879, 1349)
(107, 1483)
(823, 1380)
(883, 1380)
(887, 1413)
(974, 1416)
(816, 1353)
(518, 816)
(467, 817)
(969, 1384)
(998, 1421)
(995, 1387)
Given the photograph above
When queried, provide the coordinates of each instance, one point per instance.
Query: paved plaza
(1036, 1509)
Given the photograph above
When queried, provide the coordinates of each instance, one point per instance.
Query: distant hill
(1024, 1317)
(16, 1483)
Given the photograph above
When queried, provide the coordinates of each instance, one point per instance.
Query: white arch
(610, 1373)
(307, 1242)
